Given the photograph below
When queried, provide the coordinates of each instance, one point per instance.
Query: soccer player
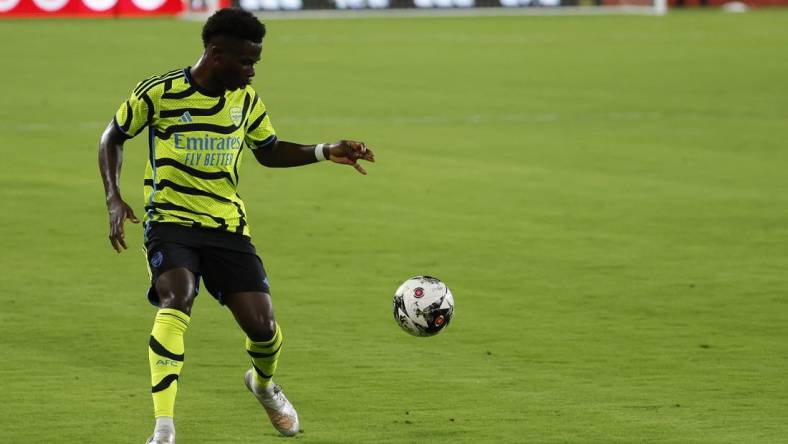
(199, 119)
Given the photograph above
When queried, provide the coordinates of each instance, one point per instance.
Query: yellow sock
(265, 356)
(165, 354)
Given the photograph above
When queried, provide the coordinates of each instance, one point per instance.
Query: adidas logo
(186, 117)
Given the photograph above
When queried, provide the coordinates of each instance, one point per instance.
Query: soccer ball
(423, 306)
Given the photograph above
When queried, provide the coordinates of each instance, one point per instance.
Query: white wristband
(319, 152)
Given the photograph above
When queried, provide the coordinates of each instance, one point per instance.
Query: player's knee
(177, 300)
(176, 289)
(263, 330)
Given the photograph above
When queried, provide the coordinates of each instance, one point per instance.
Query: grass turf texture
(605, 196)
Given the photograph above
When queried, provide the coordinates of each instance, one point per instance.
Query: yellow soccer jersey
(196, 143)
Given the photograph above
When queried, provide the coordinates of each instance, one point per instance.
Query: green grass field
(605, 196)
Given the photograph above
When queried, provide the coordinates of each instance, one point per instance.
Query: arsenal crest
(236, 115)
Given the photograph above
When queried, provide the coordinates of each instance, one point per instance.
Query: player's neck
(200, 73)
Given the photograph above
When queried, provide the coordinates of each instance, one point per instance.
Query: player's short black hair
(233, 22)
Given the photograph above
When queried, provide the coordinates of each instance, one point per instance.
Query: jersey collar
(188, 75)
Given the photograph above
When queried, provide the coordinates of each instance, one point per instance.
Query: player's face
(236, 65)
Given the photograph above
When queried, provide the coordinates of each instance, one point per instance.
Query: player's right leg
(174, 288)
(254, 313)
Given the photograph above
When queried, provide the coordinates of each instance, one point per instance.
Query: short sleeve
(259, 132)
(134, 114)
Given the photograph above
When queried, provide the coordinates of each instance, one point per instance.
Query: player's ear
(214, 52)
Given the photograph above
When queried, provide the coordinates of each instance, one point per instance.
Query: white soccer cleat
(161, 438)
(281, 413)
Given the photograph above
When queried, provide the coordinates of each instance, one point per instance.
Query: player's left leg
(254, 313)
(238, 280)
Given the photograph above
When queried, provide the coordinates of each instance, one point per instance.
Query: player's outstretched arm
(110, 160)
(288, 154)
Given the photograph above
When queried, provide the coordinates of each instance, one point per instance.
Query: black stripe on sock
(268, 342)
(165, 383)
(260, 372)
(184, 321)
(264, 355)
(161, 351)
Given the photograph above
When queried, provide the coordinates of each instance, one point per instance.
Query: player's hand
(119, 211)
(348, 152)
